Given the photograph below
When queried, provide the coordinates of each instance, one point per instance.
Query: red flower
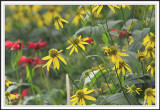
(89, 40)
(123, 34)
(37, 46)
(24, 93)
(8, 44)
(113, 29)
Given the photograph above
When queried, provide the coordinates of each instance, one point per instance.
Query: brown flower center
(153, 64)
(121, 64)
(149, 49)
(140, 56)
(112, 50)
(133, 87)
(56, 18)
(80, 94)
(152, 38)
(7, 93)
(148, 91)
(76, 40)
(53, 53)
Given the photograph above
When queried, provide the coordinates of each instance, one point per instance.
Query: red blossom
(89, 40)
(24, 93)
(37, 46)
(113, 29)
(8, 44)
(124, 33)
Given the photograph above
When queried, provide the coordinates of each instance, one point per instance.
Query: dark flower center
(112, 50)
(80, 94)
(76, 40)
(121, 64)
(149, 49)
(140, 56)
(148, 92)
(133, 87)
(7, 93)
(53, 53)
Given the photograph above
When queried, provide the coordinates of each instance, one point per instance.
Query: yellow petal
(99, 9)
(82, 46)
(56, 25)
(76, 20)
(123, 71)
(89, 91)
(83, 102)
(95, 8)
(69, 46)
(153, 99)
(74, 99)
(56, 63)
(149, 101)
(60, 51)
(72, 96)
(137, 92)
(89, 97)
(76, 49)
(152, 71)
(75, 102)
(64, 20)
(148, 67)
(128, 69)
(112, 8)
(71, 51)
(46, 58)
(60, 23)
(62, 59)
(48, 64)
(85, 90)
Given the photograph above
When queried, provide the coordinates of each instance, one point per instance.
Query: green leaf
(12, 60)
(28, 74)
(105, 38)
(84, 22)
(37, 89)
(19, 54)
(96, 76)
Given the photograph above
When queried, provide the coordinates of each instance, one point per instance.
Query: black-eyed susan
(149, 52)
(151, 67)
(99, 7)
(7, 82)
(122, 66)
(132, 89)
(58, 21)
(75, 42)
(10, 96)
(114, 54)
(149, 96)
(81, 95)
(141, 56)
(149, 40)
(78, 16)
(54, 55)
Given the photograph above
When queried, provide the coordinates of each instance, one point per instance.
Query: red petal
(8, 44)
(22, 59)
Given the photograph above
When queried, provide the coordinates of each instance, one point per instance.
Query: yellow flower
(149, 40)
(149, 96)
(75, 42)
(151, 67)
(131, 40)
(104, 87)
(131, 25)
(112, 7)
(53, 56)
(80, 95)
(122, 66)
(149, 51)
(133, 88)
(128, 6)
(78, 16)
(58, 21)
(114, 54)
(10, 96)
(99, 7)
(7, 82)
(141, 56)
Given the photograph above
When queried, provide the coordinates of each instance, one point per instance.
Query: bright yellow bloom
(149, 96)
(149, 40)
(80, 95)
(149, 52)
(54, 56)
(114, 54)
(122, 66)
(58, 21)
(133, 88)
(151, 67)
(75, 42)
(141, 56)
(10, 96)
(99, 7)
(7, 82)
(112, 7)
(131, 40)
(78, 16)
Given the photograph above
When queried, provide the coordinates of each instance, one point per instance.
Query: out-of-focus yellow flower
(122, 66)
(131, 40)
(149, 52)
(78, 16)
(151, 67)
(58, 21)
(75, 42)
(54, 56)
(114, 54)
(81, 95)
(141, 56)
(131, 25)
(149, 40)
(149, 96)
(7, 82)
(133, 88)
(68, 15)
(104, 87)
(99, 7)
(10, 96)
(7, 27)
(124, 6)
(150, 7)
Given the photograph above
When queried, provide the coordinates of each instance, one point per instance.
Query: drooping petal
(69, 46)
(56, 25)
(89, 91)
(60, 23)
(99, 9)
(148, 67)
(74, 99)
(48, 64)
(112, 8)
(76, 49)
(123, 71)
(149, 101)
(62, 59)
(72, 96)
(63, 20)
(152, 99)
(89, 97)
(80, 102)
(95, 8)
(128, 69)
(85, 90)
(152, 71)
(46, 58)
(71, 50)
(56, 63)
(82, 46)
(83, 102)
(75, 102)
